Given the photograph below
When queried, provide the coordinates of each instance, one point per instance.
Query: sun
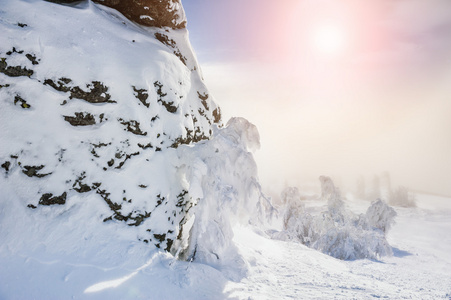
(328, 39)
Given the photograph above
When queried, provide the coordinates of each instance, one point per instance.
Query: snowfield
(419, 269)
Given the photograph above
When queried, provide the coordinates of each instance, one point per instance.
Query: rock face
(153, 13)
(95, 117)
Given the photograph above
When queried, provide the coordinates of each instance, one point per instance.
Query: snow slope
(419, 269)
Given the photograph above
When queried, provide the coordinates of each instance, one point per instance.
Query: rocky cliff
(109, 139)
(93, 106)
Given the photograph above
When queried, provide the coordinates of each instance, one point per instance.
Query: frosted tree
(337, 231)
(361, 189)
(294, 208)
(381, 216)
(376, 188)
(386, 184)
(327, 187)
(402, 197)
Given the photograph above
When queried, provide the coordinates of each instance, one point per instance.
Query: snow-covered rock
(107, 130)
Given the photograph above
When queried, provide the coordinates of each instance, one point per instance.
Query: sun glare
(329, 39)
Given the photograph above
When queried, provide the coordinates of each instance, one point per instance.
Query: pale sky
(338, 88)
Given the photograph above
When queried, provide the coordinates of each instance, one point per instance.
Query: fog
(381, 102)
(341, 138)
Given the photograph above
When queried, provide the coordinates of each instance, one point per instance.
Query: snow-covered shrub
(402, 197)
(336, 206)
(339, 232)
(380, 215)
(291, 199)
(349, 242)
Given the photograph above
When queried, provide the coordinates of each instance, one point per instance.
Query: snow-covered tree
(401, 196)
(361, 189)
(376, 188)
(381, 216)
(327, 187)
(337, 231)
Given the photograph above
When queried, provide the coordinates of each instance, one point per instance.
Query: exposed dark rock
(144, 147)
(81, 187)
(81, 119)
(127, 157)
(23, 103)
(48, 199)
(4, 86)
(203, 99)
(181, 202)
(152, 13)
(31, 206)
(160, 237)
(6, 166)
(170, 107)
(100, 145)
(32, 58)
(164, 39)
(14, 50)
(169, 243)
(191, 137)
(61, 84)
(139, 219)
(31, 171)
(21, 25)
(15, 71)
(142, 96)
(217, 115)
(105, 196)
(133, 127)
(161, 200)
(97, 93)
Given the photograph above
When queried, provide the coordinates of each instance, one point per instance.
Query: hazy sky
(337, 88)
